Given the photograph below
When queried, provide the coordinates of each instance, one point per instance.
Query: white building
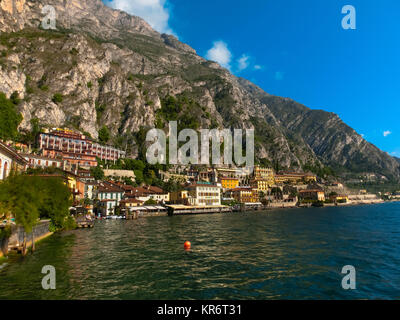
(204, 194)
(110, 197)
(146, 193)
(10, 160)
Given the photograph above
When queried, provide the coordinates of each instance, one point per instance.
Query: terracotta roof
(142, 190)
(108, 187)
(13, 153)
(131, 200)
(156, 189)
(83, 171)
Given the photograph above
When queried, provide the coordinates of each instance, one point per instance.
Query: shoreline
(28, 244)
(269, 208)
(353, 204)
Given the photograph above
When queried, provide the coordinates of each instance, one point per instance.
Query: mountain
(111, 69)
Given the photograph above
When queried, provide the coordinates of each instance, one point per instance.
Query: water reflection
(284, 254)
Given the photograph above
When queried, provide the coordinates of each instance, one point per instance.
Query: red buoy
(187, 245)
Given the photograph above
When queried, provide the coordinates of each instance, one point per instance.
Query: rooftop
(199, 184)
(12, 153)
(310, 190)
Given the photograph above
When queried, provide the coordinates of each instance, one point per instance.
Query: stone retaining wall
(17, 236)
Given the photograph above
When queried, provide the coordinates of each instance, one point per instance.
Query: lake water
(278, 254)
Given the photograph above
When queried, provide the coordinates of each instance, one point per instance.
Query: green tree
(97, 172)
(55, 202)
(30, 137)
(30, 197)
(10, 119)
(277, 192)
(139, 176)
(150, 202)
(21, 197)
(104, 134)
(149, 176)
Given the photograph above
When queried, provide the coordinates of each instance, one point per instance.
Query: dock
(180, 209)
(84, 223)
(145, 211)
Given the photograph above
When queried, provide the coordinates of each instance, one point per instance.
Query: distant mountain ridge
(114, 70)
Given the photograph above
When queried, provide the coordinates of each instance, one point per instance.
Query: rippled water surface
(281, 254)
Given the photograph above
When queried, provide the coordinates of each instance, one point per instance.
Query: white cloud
(386, 133)
(279, 75)
(220, 53)
(154, 12)
(258, 67)
(243, 62)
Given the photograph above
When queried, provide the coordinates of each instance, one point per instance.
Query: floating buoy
(187, 245)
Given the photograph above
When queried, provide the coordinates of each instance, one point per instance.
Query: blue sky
(298, 49)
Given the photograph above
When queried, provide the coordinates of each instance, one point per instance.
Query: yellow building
(263, 178)
(263, 173)
(130, 203)
(72, 182)
(339, 198)
(243, 194)
(312, 194)
(229, 183)
(179, 197)
(261, 184)
(294, 177)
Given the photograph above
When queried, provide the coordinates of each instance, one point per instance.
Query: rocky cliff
(112, 69)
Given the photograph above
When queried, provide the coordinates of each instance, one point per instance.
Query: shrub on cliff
(57, 98)
(10, 118)
(104, 134)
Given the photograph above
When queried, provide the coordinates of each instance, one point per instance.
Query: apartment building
(229, 183)
(243, 194)
(36, 161)
(75, 148)
(204, 194)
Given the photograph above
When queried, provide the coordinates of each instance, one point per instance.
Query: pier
(179, 209)
(82, 222)
(145, 211)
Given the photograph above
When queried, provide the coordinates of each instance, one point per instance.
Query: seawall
(41, 231)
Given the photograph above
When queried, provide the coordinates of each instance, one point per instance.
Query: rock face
(113, 69)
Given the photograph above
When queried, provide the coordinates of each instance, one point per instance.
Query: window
(5, 170)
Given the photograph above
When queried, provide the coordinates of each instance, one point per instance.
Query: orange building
(229, 183)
